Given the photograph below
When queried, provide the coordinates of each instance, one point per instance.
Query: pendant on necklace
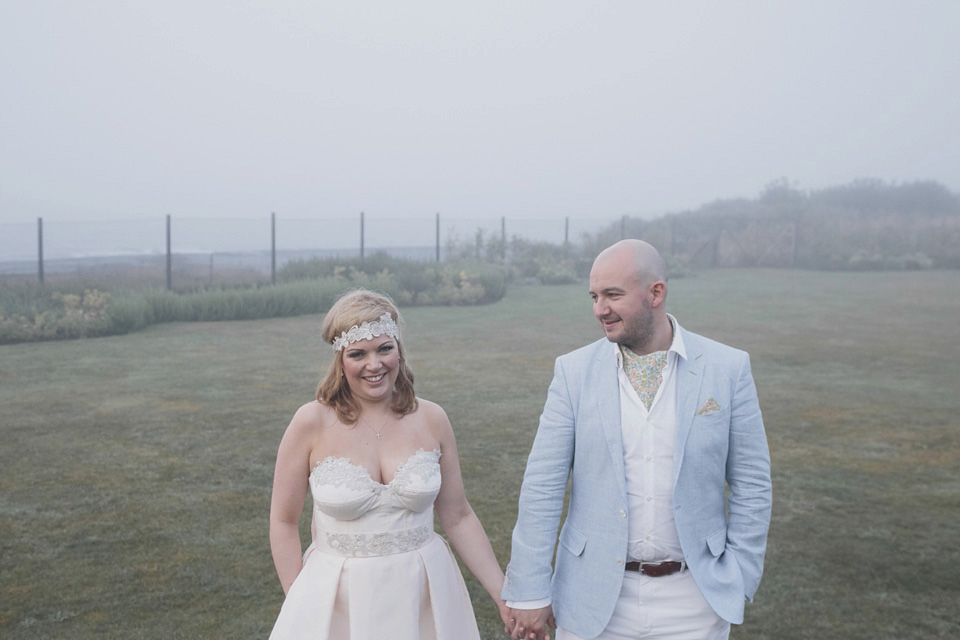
(374, 431)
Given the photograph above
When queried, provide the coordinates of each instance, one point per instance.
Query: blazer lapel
(689, 382)
(608, 408)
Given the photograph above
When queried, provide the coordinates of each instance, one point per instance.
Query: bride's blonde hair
(352, 309)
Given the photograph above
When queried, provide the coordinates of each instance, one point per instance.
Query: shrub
(557, 273)
(350, 269)
(30, 312)
(35, 314)
(460, 282)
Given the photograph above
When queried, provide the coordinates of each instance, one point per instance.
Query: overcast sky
(209, 108)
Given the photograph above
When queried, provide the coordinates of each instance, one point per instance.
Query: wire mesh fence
(237, 250)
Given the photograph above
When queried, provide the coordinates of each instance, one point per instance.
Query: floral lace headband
(368, 331)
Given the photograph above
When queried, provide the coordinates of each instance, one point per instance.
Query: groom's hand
(532, 624)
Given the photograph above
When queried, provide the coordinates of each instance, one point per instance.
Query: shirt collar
(676, 346)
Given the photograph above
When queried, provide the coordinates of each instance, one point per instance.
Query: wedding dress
(376, 568)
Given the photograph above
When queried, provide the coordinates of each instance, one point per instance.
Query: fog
(117, 109)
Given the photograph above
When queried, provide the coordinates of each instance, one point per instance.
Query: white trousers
(669, 607)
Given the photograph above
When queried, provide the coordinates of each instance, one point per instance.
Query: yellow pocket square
(710, 406)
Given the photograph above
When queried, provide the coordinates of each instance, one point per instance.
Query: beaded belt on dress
(370, 545)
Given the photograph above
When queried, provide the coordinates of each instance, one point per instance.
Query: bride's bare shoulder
(311, 418)
(430, 410)
(434, 417)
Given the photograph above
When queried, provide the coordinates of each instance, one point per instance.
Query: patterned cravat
(645, 373)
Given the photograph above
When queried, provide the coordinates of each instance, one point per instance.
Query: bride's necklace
(376, 432)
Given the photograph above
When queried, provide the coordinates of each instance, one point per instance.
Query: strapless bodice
(351, 507)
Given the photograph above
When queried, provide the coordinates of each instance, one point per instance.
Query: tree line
(866, 224)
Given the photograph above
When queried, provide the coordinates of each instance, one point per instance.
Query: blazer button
(619, 561)
(623, 514)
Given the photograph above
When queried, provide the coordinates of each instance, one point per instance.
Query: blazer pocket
(572, 540)
(716, 417)
(717, 541)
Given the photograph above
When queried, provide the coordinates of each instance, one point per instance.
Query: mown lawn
(135, 470)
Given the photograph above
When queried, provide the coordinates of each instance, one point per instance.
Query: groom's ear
(658, 293)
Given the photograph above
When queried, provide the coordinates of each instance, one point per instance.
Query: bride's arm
(458, 519)
(289, 492)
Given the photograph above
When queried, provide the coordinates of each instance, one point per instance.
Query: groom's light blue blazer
(723, 538)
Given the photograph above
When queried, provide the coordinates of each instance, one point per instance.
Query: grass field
(135, 470)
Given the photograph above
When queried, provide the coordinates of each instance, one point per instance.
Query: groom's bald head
(648, 265)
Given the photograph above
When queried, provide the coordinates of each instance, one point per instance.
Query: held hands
(528, 624)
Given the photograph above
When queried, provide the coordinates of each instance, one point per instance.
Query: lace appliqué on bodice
(423, 464)
(345, 491)
(340, 472)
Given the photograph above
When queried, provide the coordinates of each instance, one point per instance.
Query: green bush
(494, 281)
(139, 309)
(30, 312)
(350, 269)
(557, 272)
(460, 282)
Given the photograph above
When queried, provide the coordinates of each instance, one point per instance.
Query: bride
(378, 460)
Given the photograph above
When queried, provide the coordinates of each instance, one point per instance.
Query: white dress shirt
(648, 438)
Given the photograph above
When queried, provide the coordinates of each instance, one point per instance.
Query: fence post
(438, 236)
(623, 227)
(566, 230)
(503, 238)
(40, 249)
(273, 247)
(169, 260)
(673, 236)
(361, 235)
(793, 245)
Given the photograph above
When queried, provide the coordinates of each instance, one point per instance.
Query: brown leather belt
(656, 569)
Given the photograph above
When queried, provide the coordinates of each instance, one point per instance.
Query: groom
(654, 425)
